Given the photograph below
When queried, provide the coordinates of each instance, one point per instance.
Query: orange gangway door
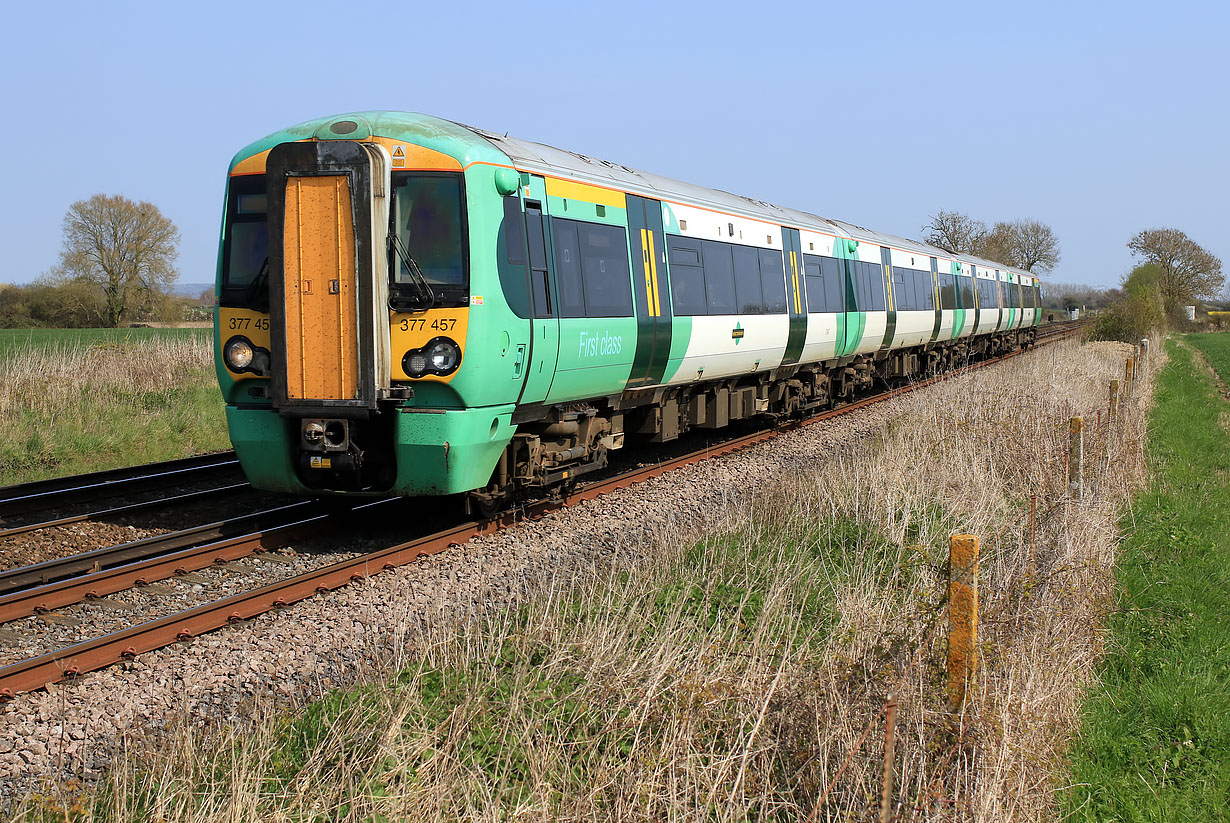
(322, 335)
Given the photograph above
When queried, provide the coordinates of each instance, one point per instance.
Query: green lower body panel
(437, 451)
(447, 452)
(261, 438)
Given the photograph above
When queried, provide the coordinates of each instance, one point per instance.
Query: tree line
(116, 266)
(1024, 244)
(1173, 270)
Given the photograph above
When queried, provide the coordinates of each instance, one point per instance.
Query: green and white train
(412, 306)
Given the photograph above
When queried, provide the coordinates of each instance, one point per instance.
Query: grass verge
(735, 669)
(84, 400)
(1155, 743)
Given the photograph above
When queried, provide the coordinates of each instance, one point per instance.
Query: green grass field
(16, 338)
(80, 400)
(1216, 349)
(1155, 743)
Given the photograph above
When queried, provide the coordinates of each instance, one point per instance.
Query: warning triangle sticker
(399, 151)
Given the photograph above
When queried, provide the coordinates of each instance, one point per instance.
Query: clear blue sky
(1100, 119)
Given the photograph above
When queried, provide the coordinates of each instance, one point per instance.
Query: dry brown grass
(87, 405)
(739, 676)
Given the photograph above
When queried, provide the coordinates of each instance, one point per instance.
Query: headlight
(440, 357)
(443, 355)
(238, 353)
(415, 362)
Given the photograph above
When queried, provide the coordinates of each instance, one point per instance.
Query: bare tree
(998, 244)
(125, 249)
(1025, 244)
(1035, 247)
(954, 232)
(1187, 270)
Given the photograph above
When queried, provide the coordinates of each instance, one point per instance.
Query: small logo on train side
(476, 300)
(736, 333)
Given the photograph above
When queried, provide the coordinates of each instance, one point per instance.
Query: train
(411, 306)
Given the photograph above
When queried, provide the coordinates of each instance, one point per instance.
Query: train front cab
(339, 376)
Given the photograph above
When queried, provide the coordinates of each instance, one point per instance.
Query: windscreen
(429, 222)
(245, 251)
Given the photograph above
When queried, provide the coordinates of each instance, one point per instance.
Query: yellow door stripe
(653, 267)
(888, 285)
(648, 276)
(794, 277)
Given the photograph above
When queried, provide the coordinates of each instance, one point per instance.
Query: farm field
(80, 400)
(1155, 743)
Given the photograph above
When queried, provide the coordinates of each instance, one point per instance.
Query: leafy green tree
(1140, 311)
(1187, 271)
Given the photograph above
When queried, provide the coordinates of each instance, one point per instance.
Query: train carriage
(412, 306)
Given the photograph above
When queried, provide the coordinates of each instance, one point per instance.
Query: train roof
(532, 156)
(470, 144)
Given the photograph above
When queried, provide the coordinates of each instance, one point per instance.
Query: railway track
(26, 499)
(99, 652)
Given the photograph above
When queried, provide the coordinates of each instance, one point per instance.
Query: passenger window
(568, 269)
(514, 239)
(773, 281)
(604, 269)
(687, 276)
(748, 289)
(875, 279)
(719, 277)
(834, 272)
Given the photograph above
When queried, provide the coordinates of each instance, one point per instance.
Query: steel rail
(49, 571)
(44, 494)
(161, 502)
(97, 653)
(42, 599)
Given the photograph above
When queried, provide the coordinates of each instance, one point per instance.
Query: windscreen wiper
(257, 293)
(425, 297)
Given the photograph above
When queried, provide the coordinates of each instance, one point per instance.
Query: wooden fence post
(1114, 402)
(1129, 372)
(890, 745)
(1076, 457)
(962, 617)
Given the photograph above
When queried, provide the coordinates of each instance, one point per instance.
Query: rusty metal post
(890, 745)
(1076, 457)
(962, 617)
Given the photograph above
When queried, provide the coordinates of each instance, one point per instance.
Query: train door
(890, 307)
(651, 290)
(1002, 296)
(328, 283)
(796, 298)
(977, 294)
(938, 291)
(544, 325)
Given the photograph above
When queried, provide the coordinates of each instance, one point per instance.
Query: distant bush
(1139, 312)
